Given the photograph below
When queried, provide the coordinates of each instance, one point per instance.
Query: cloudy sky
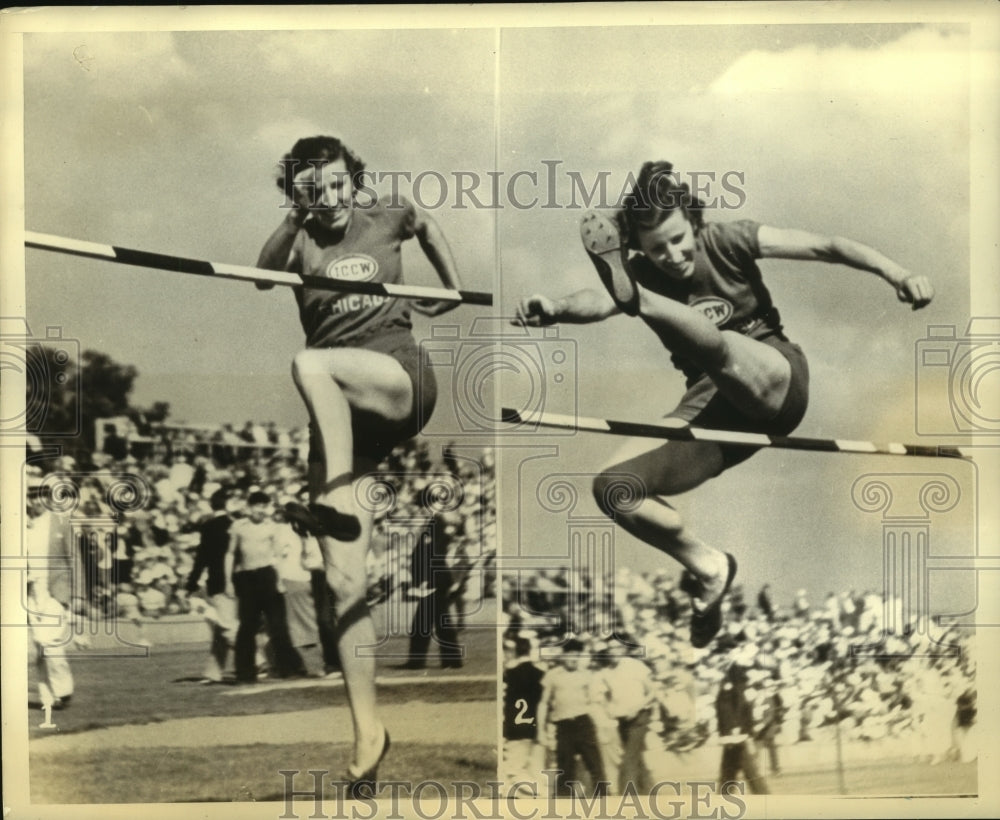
(166, 141)
(831, 133)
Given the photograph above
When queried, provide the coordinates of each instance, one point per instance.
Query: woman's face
(327, 192)
(670, 245)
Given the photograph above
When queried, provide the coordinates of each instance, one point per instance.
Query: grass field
(235, 773)
(886, 778)
(144, 730)
(116, 692)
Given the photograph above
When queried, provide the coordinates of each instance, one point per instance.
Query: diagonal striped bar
(680, 431)
(222, 270)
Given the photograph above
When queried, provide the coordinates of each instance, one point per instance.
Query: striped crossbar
(222, 270)
(683, 432)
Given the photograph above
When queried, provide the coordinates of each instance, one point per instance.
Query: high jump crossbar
(684, 432)
(222, 270)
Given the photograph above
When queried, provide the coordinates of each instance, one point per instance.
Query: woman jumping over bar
(364, 380)
(696, 285)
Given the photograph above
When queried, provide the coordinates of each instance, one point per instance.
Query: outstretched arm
(438, 252)
(582, 307)
(784, 243)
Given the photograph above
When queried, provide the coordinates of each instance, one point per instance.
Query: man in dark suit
(524, 756)
(213, 556)
(735, 719)
(431, 579)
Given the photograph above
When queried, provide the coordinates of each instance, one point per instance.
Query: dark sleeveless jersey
(369, 251)
(522, 692)
(726, 284)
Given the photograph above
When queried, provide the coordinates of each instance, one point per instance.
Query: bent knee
(617, 494)
(307, 364)
(760, 373)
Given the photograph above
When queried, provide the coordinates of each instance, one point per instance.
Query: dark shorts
(703, 406)
(375, 437)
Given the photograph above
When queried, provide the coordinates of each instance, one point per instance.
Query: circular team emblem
(356, 267)
(716, 309)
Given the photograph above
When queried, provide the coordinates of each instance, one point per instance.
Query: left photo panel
(258, 526)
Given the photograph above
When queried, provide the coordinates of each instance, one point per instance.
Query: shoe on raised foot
(322, 519)
(603, 243)
(301, 519)
(336, 524)
(706, 617)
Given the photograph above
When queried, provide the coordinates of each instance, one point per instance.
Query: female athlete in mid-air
(696, 285)
(364, 380)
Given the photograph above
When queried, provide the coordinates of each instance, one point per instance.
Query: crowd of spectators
(812, 671)
(139, 553)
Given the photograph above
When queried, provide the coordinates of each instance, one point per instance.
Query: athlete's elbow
(833, 249)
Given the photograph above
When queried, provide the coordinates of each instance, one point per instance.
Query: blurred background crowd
(849, 668)
(135, 503)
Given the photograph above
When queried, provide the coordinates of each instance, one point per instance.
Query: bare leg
(752, 375)
(660, 471)
(335, 384)
(346, 574)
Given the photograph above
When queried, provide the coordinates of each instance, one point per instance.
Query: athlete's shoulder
(390, 208)
(735, 240)
(735, 230)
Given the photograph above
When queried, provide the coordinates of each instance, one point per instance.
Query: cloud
(865, 140)
(110, 64)
(923, 64)
(276, 138)
(409, 61)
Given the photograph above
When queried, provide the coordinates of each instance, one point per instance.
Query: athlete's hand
(433, 307)
(536, 311)
(917, 290)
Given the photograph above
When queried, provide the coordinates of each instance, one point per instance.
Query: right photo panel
(741, 506)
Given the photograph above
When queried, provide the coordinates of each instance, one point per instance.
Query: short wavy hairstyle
(656, 194)
(317, 151)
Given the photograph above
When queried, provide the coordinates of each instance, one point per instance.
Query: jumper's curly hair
(317, 151)
(656, 194)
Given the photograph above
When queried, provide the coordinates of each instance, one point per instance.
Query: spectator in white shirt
(255, 579)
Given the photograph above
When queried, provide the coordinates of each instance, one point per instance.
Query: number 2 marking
(519, 718)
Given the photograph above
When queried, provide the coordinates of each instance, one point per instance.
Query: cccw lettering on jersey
(356, 267)
(716, 309)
